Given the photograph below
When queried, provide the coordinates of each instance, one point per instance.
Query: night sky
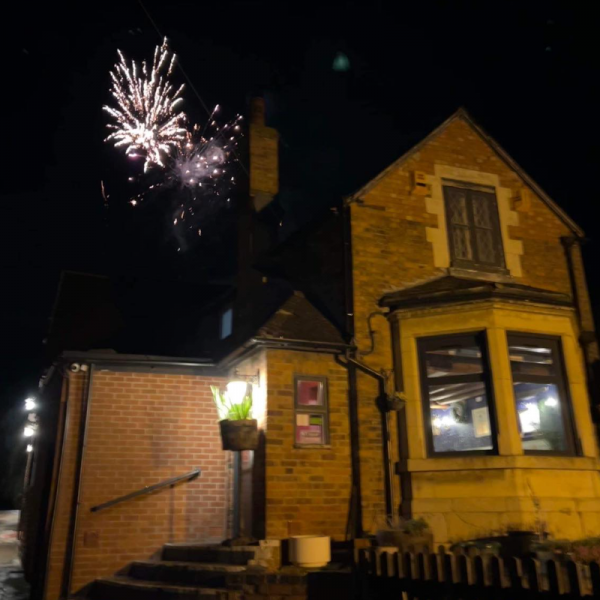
(527, 71)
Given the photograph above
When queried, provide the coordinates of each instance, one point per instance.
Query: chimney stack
(264, 157)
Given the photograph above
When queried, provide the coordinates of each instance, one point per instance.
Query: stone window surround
(438, 236)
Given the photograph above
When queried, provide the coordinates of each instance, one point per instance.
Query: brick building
(424, 350)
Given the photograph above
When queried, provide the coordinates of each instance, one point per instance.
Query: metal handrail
(148, 490)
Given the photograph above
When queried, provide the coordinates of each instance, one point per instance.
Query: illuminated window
(543, 409)
(311, 418)
(473, 226)
(226, 323)
(457, 394)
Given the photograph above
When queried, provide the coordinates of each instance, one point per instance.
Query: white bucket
(310, 551)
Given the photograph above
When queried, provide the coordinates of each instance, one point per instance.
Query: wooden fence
(444, 576)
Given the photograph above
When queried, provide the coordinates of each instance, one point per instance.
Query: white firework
(146, 116)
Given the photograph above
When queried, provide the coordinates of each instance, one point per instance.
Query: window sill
(468, 463)
(501, 275)
(312, 446)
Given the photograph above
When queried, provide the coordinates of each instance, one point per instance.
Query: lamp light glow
(237, 390)
(28, 432)
(551, 401)
(30, 404)
(29, 448)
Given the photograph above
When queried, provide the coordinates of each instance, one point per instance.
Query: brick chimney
(264, 157)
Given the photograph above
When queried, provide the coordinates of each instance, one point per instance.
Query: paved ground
(12, 585)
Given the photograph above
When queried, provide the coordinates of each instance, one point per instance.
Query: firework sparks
(194, 164)
(202, 161)
(146, 118)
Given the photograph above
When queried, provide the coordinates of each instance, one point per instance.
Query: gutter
(282, 343)
(134, 359)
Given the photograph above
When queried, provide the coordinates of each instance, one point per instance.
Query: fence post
(573, 576)
(363, 573)
(531, 569)
(515, 573)
(553, 577)
(480, 578)
(383, 563)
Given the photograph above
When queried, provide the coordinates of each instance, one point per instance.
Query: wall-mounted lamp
(238, 386)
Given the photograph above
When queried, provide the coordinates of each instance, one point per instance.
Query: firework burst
(146, 117)
(195, 164)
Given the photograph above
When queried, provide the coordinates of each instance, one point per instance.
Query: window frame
(487, 377)
(496, 230)
(573, 444)
(222, 313)
(313, 409)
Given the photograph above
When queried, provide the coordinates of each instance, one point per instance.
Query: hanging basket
(239, 435)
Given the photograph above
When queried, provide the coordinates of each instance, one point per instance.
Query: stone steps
(183, 572)
(127, 588)
(235, 555)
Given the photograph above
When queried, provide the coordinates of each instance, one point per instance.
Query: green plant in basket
(229, 410)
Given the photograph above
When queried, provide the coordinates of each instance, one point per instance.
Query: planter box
(310, 551)
(405, 542)
(239, 435)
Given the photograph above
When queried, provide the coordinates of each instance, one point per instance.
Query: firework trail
(146, 118)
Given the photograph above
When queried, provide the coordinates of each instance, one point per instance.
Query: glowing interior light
(445, 421)
(29, 448)
(237, 391)
(551, 401)
(30, 404)
(28, 432)
(530, 418)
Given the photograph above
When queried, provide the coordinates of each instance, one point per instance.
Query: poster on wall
(309, 429)
(481, 422)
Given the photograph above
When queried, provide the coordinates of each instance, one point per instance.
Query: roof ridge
(463, 113)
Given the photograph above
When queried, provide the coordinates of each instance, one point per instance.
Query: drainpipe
(382, 404)
(72, 537)
(587, 335)
(402, 465)
(355, 517)
(62, 435)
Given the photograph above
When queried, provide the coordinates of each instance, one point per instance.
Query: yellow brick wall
(391, 249)
(307, 489)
